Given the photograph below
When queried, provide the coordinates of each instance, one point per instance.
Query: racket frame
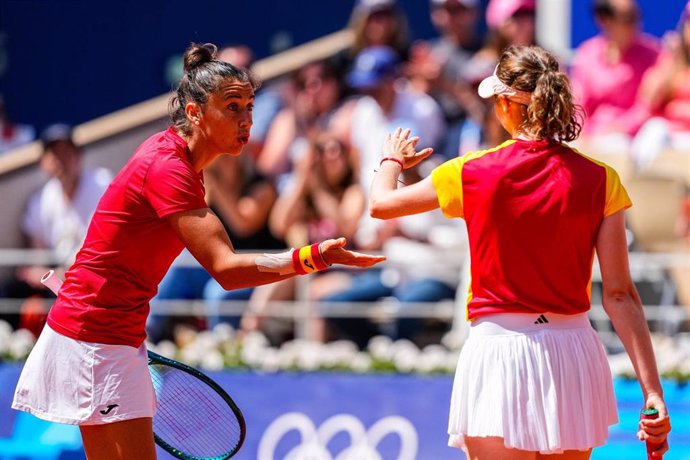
(155, 358)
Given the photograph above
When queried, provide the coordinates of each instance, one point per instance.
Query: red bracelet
(402, 166)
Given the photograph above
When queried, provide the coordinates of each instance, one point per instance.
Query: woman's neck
(201, 154)
(517, 130)
(525, 136)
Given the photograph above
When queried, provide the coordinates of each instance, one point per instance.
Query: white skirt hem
(81, 422)
(542, 385)
(84, 383)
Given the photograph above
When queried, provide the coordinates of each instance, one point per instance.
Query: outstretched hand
(333, 252)
(401, 146)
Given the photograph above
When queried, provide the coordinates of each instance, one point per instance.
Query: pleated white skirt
(541, 383)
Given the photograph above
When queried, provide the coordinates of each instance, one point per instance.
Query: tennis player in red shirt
(89, 366)
(532, 380)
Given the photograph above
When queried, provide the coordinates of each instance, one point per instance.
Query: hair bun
(197, 55)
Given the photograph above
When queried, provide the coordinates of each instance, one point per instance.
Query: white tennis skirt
(84, 383)
(540, 382)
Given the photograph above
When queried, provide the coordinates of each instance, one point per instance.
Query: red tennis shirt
(129, 245)
(533, 210)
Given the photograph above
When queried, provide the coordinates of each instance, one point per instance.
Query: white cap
(493, 86)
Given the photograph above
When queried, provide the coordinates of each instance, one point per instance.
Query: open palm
(334, 253)
(401, 146)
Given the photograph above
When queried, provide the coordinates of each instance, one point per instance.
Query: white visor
(493, 86)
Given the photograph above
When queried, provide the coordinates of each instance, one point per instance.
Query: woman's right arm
(203, 234)
(622, 304)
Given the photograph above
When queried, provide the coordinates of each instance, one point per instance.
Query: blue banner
(369, 416)
(327, 415)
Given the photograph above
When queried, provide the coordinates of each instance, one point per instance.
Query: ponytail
(551, 113)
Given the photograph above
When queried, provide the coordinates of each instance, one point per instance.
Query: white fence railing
(640, 262)
(666, 318)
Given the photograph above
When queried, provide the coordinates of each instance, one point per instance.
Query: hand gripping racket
(196, 419)
(650, 413)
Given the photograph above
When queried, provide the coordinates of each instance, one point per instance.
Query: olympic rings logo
(314, 441)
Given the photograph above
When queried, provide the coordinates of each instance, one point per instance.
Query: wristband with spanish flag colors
(308, 259)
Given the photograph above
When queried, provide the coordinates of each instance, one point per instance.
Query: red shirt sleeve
(173, 186)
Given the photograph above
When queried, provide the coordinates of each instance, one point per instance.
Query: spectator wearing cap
(56, 216)
(510, 22)
(441, 67)
(387, 100)
(375, 23)
(607, 72)
(513, 20)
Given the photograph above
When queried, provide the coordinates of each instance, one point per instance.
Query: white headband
(493, 86)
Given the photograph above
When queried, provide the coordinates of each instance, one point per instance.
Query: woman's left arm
(386, 200)
(622, 304)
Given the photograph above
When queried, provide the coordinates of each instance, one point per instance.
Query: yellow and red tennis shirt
(533, 210)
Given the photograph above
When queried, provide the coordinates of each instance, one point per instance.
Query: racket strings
(205, 408)
(199, 425)
(192, 417)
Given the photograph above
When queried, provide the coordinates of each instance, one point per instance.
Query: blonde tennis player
(533, 381)
(89, 366)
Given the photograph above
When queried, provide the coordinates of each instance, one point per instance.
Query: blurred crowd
(315, 146)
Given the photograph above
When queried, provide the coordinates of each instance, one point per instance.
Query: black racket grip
(650, 414)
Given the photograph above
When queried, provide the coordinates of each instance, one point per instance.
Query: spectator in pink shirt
(608, 68)
(665, 92)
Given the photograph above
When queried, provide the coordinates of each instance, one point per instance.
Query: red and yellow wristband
(308, 259)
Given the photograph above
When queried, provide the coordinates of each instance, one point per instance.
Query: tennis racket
(196, 419)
